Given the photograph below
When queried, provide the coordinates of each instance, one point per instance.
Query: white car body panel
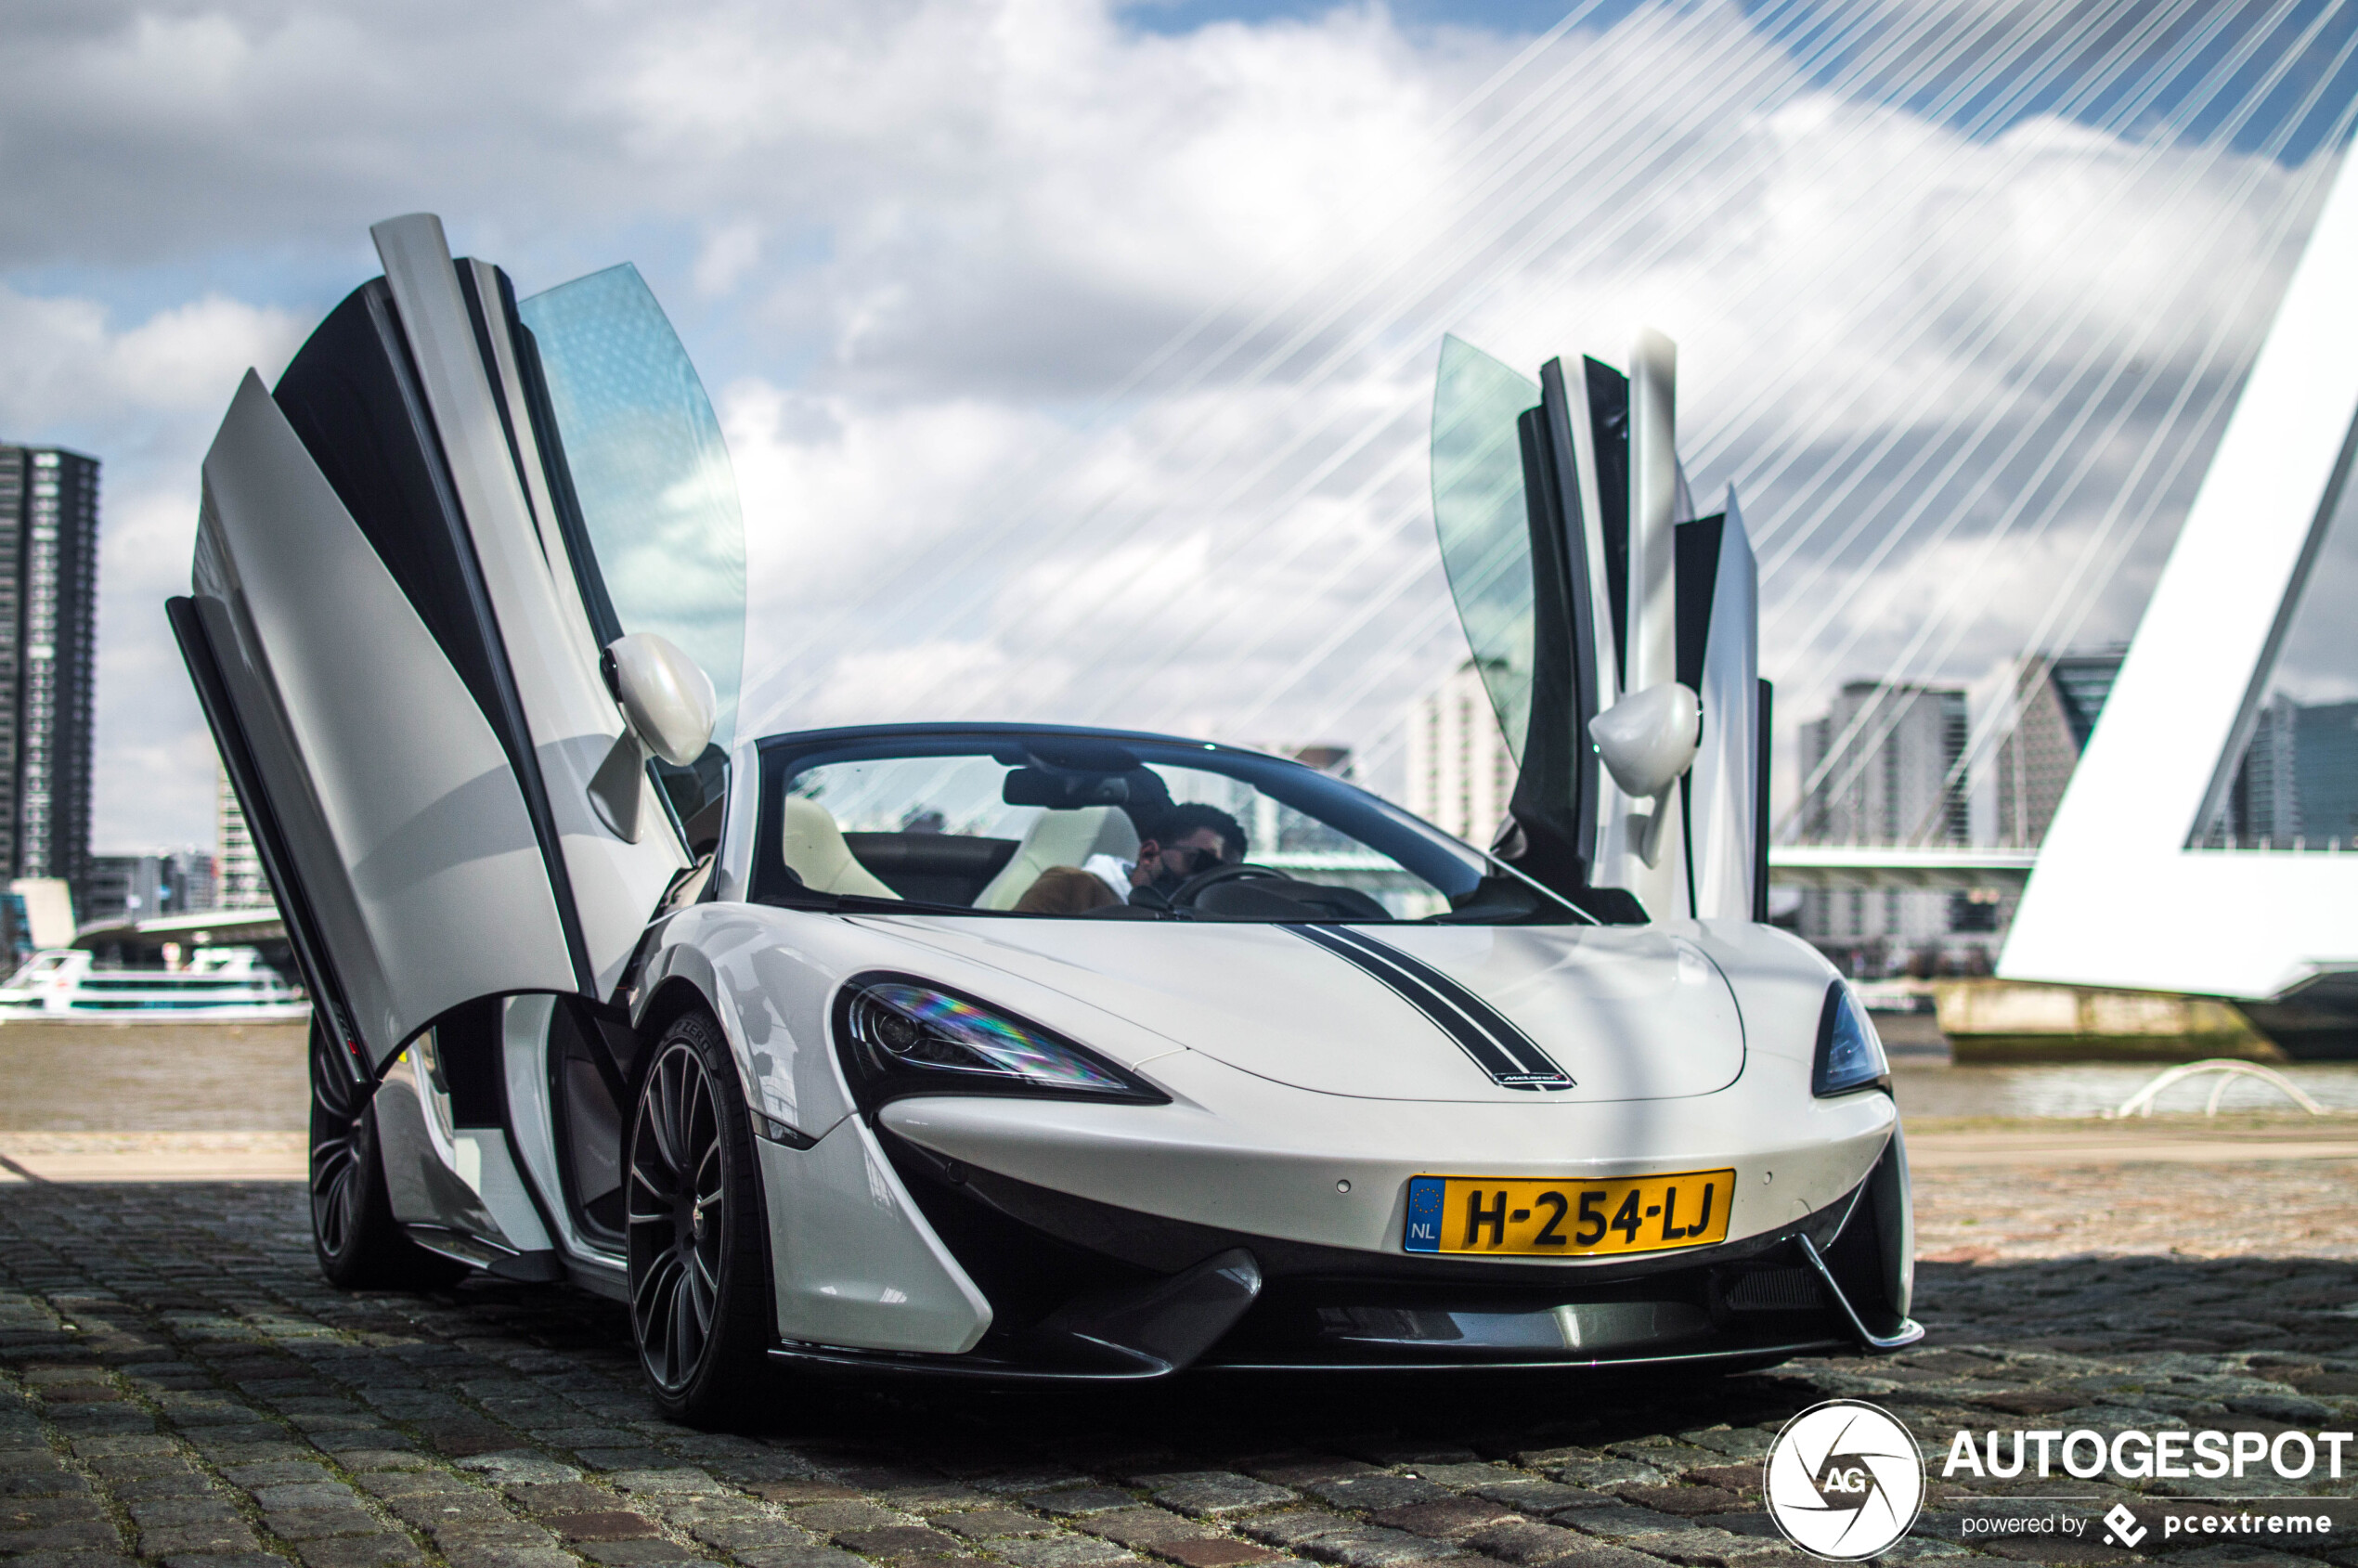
(427, 876)
(857, 1264)
(574, 720)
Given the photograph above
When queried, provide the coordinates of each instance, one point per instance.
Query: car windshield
(1062, 823)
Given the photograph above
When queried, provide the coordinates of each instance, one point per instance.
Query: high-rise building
(1460, 773)
(1884, 767)
(2297, 787)
(137, 886)
(238, 880)
(2057, 700)
(48, 627)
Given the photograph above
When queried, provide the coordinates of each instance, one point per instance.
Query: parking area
(182, 1387)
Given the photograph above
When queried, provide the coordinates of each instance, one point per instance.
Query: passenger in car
(1066, 890)
(1176, 843)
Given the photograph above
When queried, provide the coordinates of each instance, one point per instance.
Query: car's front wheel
(699, 1286)
(353, 1232)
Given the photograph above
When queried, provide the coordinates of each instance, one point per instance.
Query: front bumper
(1084, 1290)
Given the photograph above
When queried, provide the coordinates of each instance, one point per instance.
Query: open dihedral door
(1565, 526)
(411, 556)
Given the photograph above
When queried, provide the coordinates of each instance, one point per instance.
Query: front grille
(1775, 1289)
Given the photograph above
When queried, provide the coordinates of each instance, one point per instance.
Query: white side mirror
(668, 709)
(667, 702)
(1647, 740)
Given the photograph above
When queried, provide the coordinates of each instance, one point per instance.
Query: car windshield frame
(1462, 874)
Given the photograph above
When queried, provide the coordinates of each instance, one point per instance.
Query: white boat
(219, 985)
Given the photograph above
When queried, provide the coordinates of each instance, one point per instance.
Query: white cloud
(922, 244)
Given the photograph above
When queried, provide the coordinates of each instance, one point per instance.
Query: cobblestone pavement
(178, 1385)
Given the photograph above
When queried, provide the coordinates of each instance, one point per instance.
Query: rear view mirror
(1062, 791)
(669, 710)
(1647, 739)
(667, 702)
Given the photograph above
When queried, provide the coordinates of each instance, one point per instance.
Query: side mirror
(1647, 740)
(667, 702)
(669, 710)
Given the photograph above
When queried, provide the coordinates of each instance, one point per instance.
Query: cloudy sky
(1076, 357)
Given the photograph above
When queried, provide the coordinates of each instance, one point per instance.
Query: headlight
(1849, 1056)
(901, 1036)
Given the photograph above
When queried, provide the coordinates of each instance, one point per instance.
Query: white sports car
(1008, 1051)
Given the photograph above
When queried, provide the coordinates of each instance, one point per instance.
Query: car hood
(1627, 1013)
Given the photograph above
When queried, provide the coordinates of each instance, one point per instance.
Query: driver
(1180, 842)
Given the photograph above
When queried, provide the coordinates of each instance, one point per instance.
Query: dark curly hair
(1178, 822)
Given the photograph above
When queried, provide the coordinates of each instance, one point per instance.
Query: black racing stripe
(1531, 1061)
(1528, 1057)
(1485, 1050)
(1494, 1045)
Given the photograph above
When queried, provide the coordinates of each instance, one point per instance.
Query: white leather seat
(813, 845)
(1061, 838)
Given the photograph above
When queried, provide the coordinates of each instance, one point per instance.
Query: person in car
(1177, 843)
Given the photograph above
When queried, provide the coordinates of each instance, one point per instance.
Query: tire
(354, 1235)
(699, 1269)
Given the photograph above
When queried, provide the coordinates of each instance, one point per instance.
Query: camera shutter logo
(1844, 1481)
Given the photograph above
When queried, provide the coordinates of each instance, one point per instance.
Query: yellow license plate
(1551, 1219)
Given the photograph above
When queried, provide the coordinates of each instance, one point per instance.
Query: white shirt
(1113, 870)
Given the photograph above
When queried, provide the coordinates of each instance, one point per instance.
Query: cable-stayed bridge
(1965, 294)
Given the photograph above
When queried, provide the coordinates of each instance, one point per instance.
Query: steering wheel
(1188, 891)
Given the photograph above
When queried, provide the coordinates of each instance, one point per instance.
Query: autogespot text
(2140, 1455)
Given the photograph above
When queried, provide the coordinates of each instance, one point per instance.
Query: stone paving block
(1530, 1545)
(1603, 1475)
(39, 1483)
(223, 1559)
(1623, 1523)
(825, 1519)
(152, 1514)
(1736, 1443)
(508, 1466)
(1295, 1468)
(1060, 1551)
(672, 1478)
(25, 1514)
(1683, 1501)
(1212, 1493)
(1728, 1478)
(635, 1554)
(798, 1557)
(896, 1540)
(1210, 1551)
(1378, 1490)
(1074, 1502)
(314, 1492)
(1446, 1518)
(424, 1510)
(1296, 1526)
(1370, 1545)
(316, 1523)
(604, 1524)
(560, 1497)
(385, 1551)
(2064, 1554)
(1144, 1527)
(983, 1524)
(88, 1535)
(491, 1555)
(226, 1535)
(757, 1533)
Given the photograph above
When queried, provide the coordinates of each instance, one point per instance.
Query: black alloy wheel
(353, 1232)
(699, 1275)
